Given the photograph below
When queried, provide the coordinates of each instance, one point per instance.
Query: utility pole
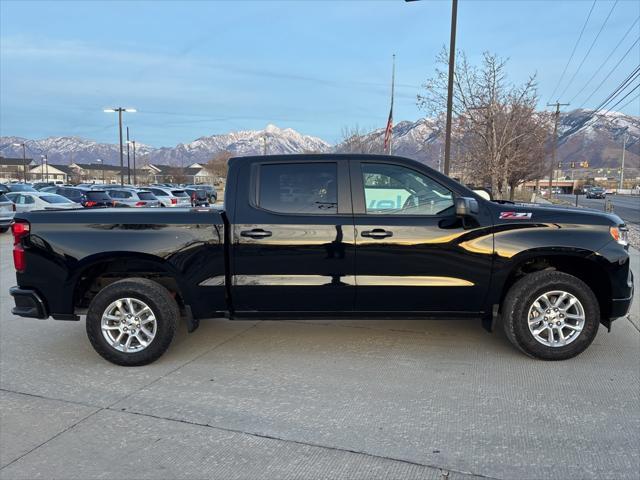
(120, 110)
(44, 165)
(128, 163)
(452, 62)
(554, 146)
(624, 147)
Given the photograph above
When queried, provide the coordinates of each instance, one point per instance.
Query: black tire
(515, 312)
(3, 229)
(161, 303)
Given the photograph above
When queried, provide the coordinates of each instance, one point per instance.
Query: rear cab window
(298, 188)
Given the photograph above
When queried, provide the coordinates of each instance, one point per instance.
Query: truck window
(295, 188)
(396, 190)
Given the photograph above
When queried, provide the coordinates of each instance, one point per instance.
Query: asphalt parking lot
(322, 399)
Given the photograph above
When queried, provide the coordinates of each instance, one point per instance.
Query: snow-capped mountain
(596, 139)
(243, 143)
(65, 150)
(599, 138)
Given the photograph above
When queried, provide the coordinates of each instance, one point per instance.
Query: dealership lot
(332, 399)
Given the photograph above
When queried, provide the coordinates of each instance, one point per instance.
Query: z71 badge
(515, 215)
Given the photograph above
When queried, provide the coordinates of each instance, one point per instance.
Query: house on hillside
(15, 169)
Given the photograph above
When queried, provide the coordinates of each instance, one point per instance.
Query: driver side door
(412, 253)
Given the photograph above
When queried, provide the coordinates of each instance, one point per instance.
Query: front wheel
(551, 315)
(132, 322)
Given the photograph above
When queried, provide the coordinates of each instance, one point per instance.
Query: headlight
(620, 234)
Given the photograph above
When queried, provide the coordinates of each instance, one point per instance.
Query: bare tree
(354, 140)
(495, 121)
(218, 165)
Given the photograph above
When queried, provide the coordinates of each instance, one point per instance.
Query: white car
(7, 210)
(171, 197)
(29, 201)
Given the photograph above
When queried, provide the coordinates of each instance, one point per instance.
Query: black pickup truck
(326, 236)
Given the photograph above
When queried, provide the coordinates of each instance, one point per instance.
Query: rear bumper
(28, 303)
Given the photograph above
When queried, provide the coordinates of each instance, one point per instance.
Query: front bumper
(28, 303)
(620, 307)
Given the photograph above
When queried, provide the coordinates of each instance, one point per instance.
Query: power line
(573, 51)
(590, 48)
(632, 99)
(610, 72)
(629, 93)
(606, 60)
(632, 76)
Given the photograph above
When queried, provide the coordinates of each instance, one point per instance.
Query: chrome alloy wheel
(129, 325)
(556, 318)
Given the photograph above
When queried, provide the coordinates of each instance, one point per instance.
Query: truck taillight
(20, 229)
(90, 203)
(174, 201)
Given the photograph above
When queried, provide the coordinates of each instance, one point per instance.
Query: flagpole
(388, 133)
(393, 86)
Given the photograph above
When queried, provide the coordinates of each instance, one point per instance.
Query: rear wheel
(3, 229)
(551, 315)
(132, 322)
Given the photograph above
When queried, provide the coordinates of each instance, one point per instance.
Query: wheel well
(586, 270)
(99, 275)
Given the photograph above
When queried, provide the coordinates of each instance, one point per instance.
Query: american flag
(388, 131)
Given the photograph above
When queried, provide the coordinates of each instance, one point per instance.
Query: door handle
(255, 233)
(377, 233)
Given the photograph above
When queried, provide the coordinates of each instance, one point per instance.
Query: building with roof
(194, 173)
(15, 169)
(51, 173)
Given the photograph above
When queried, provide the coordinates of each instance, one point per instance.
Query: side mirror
(466, 206)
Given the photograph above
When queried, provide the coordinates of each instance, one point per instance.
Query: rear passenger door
(293, 237)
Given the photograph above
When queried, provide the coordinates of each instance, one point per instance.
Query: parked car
(21, 187)
(29, 201)
(132, 197)
(4, 188)
(212, 194)
(86, 197)
(597, 192)
(7, 210)
(327, 235)
(171, 197)
(199, 198)
(40, 185)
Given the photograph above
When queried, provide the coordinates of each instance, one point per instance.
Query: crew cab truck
(337, 236)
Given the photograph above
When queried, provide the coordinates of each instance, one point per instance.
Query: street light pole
(120, 110)
(24, 159)
(44, 166)
(624, 147)
(452, 62)
(135, 180)
(99, 160)
(128, 162)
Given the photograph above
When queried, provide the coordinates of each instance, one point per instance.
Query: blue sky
(195, 68)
